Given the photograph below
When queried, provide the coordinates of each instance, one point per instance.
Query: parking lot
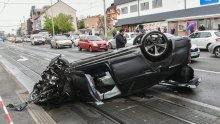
(182, 104)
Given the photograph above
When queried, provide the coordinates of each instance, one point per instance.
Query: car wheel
(110, 46)
(57, 46)
(217, 51)
(106, 50)
(80, 49)
(51, 46)
(70, 46)
(90, 49)
(155, 46)
(74, 44)
(207, 47)
(137, 40)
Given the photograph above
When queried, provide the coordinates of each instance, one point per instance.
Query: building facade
(56, 9)
(180, 17)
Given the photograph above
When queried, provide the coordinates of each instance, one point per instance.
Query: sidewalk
(8, 88)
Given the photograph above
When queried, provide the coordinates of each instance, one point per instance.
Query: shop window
(124, 10)
(144, 6)
(156, 3)
(133, 8)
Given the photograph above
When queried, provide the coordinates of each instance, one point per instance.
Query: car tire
(110, 46)
(70, 46)
(137, 40)
(51, 46)
(155, 46)
(80, 49)
(106, 50)
(57, 46)
(217, 51)
(90, 49)
(207, 47)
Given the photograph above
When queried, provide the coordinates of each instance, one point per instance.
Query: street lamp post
(52, 17)
(105, 20)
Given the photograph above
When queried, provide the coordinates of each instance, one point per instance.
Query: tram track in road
(120, 111)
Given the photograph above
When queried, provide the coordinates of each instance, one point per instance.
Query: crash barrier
(2, 105)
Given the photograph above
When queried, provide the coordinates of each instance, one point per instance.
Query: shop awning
(192, 12)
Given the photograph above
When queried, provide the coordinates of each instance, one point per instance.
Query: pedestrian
(218, 26)
(113, 33)
(120, 39)
(158, 29)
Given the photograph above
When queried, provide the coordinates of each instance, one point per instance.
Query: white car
(204, 38)
(195, 51)
(37, 39)
(214, 48)
(60, 41)
(129, 36)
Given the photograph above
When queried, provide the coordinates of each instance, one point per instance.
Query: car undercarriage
(153, 59)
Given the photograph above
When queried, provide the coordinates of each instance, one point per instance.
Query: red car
(92, 43)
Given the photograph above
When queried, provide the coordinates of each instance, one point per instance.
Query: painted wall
(167, 5)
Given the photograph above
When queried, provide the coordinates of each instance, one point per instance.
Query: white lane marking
(206, 58)
(190, 100)
(47, 59)
(214, 72)
(22, 59)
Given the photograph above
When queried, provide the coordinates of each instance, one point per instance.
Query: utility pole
(105, 20)
(52, 17)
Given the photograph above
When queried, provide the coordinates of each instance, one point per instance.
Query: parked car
(18, 40)
(60, 42)
(204, 38)
(73, 37)
(129, 37)
(214, 48)
(37, 39)
(92, 43)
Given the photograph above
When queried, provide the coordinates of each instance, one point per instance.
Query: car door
(53, 42)
(203, 39)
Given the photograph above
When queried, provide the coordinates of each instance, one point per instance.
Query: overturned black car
(153, 58)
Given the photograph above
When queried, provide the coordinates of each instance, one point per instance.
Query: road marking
(206, 58)
(214, 72)
(189, 100)
(22, 59)
(47, 59)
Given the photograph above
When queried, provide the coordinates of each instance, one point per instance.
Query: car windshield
(134, 35)
(94, 38)
(38, 37)
(60, 38)
(217, 34)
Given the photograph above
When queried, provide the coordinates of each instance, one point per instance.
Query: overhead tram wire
(5, 4)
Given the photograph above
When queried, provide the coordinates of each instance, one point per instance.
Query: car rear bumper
(99, 48)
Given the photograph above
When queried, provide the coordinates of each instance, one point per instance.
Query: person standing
(120, 39)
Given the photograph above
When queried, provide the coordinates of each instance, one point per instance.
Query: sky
(17, 11)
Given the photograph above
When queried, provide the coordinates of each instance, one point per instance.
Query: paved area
(8, 88)
(200, 105)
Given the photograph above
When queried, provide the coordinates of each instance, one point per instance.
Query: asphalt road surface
(162, 105)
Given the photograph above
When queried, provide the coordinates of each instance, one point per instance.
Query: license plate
(102, 46)
(194, 54)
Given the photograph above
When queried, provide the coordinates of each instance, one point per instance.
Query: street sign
(204, 2)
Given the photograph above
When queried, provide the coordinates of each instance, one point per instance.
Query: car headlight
(94, 44)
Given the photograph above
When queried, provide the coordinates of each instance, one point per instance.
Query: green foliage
(18, 32)
(81, 24)
(62, 24)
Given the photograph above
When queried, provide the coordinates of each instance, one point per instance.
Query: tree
(81, 24)
(62, 24)
(18, 32)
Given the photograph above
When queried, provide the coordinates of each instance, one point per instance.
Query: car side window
(127, 36)
(194, 35)
(205, 34)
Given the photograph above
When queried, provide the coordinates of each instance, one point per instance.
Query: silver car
(60, 41)
(214, 48)
(129, 36)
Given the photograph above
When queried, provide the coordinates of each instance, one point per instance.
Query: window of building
(133, 8)
(144, 6)
(156, 3)
(124, 10)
